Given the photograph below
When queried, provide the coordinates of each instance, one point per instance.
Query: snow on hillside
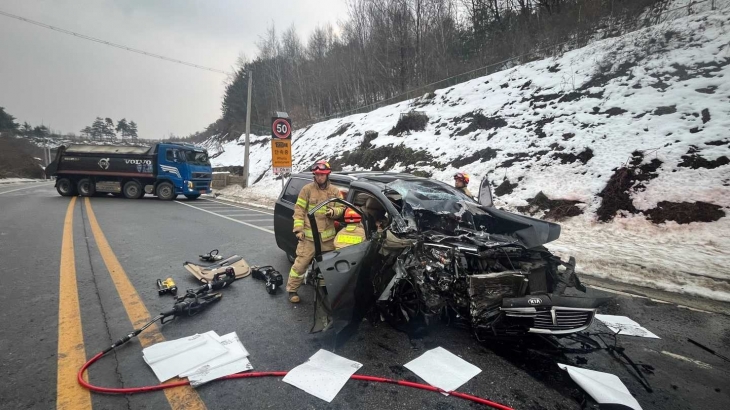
(656, 101)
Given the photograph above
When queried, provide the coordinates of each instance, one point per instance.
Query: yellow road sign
(281, 153)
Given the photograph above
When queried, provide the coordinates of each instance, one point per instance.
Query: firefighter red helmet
(462, 176)
(352, 217)
(321, 167)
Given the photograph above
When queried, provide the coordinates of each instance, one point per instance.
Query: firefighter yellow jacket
(352, 234)
(309, 197)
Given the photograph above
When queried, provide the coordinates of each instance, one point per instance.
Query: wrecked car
(434, 253)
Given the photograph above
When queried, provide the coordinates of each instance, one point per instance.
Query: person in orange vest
(310, 196)
(353, 233)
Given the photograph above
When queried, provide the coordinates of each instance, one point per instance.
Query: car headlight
(190, 184)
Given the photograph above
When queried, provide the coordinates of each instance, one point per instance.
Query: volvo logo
(534, 301)
(104, 163)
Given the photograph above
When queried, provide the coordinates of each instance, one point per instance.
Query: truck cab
(186, 167)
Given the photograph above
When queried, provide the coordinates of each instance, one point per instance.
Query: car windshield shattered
(445, 256)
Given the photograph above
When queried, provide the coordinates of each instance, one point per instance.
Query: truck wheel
(86, 187)
(166, 191)
(133, 190)
(192, 197)
(65, 187)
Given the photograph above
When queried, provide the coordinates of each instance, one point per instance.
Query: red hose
(144, 389)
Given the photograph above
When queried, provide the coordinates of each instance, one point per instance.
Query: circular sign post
(281, 128)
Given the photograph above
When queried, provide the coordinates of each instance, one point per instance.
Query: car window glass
(292, 189)
(170, 154)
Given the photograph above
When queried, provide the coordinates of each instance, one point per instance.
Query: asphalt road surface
(79, 273)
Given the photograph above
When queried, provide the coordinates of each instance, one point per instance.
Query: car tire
(65, 187)
(290, 258)
(85, 187)
(192, 197)
(165, 191)
(133, 190)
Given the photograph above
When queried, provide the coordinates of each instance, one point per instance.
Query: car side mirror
(485, 193)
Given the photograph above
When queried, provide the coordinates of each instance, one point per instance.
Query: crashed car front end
(446, 257)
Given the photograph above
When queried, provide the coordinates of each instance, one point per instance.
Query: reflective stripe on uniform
(293, 273)
(298, 223)
(324, 235)
(302, 202)
(349, 239)
(328, 234)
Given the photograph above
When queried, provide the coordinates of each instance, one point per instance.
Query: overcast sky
(65, 82)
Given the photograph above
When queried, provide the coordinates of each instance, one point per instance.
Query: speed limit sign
(280, 128)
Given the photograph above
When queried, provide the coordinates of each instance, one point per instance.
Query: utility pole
(248, 130)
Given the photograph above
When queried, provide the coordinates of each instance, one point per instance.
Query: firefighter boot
(292, 285)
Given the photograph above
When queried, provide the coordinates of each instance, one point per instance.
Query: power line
(108, 43)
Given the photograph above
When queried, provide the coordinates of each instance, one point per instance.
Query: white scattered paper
(603, 387)
(443, 369)
(199, 378)
(164, 350)
(625, 326)
(236, 351)
(167, 366)
(323, 376)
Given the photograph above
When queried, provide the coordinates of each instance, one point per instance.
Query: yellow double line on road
(71, 395)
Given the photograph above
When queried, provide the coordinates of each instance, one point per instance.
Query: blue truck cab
(165, 170)
(186, 167)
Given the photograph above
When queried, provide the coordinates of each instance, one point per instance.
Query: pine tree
(109, 133)
(7, 122)
(26, 129)
(87, 132)
(97, 129)
(123, 128)
(41, 131)
(133, 130)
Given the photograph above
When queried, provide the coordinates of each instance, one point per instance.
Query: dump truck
(165, 170)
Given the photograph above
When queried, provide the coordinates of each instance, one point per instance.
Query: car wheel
(133, 190)
(165, 191)
(192, 197)
(65, 187)
(291, 258)
(85, 187)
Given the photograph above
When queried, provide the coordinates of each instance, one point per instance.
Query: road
(80, 273)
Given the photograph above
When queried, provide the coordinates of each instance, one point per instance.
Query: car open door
(485, 193)
(336, 275)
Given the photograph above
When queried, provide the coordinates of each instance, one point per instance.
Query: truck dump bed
(103, 160)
